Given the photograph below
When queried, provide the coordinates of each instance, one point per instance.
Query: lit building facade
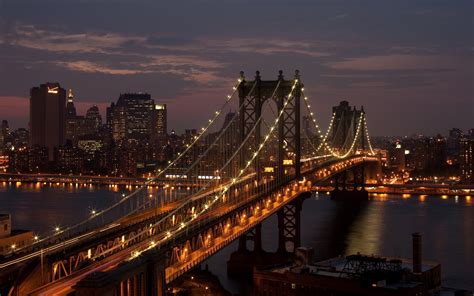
(160, 120)
(466, 160)
(10, 240)
(47, 116)
(132, 117)
(79, 126)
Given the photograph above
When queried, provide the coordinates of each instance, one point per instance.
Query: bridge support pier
(254, 235)
(289, 227)
(143, 276)
(350, 191)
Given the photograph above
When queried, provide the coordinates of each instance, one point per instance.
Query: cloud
(189, 68)
(199, 60)
(91, 67)
(30, 36)
(267, 46)
(397, 62)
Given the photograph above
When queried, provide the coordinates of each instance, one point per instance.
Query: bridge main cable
(45, 241)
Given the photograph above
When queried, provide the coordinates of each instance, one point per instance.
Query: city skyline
(236, 147)
(404, 60)
(84, 107)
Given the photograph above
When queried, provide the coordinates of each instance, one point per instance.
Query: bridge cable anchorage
(212, 200)
(67, 230)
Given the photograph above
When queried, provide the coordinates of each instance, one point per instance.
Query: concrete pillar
(417, 252)
(155, 276)
(257, 238)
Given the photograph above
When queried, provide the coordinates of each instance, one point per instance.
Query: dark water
(383, 226)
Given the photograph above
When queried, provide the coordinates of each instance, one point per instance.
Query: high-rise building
(72, 120)
(453, 145)
(21, 137)
(70, 108)
(132, 117)
(79, 126)
(47, 116)
(68, 159)
(397, 156)
(4, 133)
(160, 120)
(5, 129)
(94, 119)
(466, 159)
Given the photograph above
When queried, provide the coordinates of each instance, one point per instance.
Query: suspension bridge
(242, 167)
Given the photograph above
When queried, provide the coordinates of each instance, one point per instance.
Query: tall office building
(94, 118)
(160, 120)
(70, 108)
(453, 145)
(4, 135)
(47, 116)
(78, 126)
(132, 117)
(466, 159)
(72, 120)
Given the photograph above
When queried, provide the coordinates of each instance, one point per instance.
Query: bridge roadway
(323, 171)
(143, 217)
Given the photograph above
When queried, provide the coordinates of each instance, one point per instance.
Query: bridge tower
(289, 227)
(350, 191)
(252, 96)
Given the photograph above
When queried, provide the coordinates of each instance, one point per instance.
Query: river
(382, 226)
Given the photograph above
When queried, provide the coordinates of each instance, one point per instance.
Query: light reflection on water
(383, 226)
(365, 233)
(41, 208)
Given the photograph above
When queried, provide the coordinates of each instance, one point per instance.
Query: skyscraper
(453, 145)
(159, 136)
(47, 116)
(466, 159)
(160, 120)
(132, 117)
(94, 118)
(78, 126)
(70, 108)
(72, 120)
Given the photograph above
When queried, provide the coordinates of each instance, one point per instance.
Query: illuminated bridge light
(210, 198)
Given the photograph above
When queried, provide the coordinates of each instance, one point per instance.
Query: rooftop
(386, 271)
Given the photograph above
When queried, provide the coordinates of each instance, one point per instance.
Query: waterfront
(382, 226)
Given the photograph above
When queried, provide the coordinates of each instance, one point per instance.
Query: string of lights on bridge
(96, 213)
(325, 137)
(194, 216)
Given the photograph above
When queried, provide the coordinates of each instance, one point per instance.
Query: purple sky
(410, 63)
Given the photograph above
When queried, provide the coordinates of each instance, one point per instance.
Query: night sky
(410, 63)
